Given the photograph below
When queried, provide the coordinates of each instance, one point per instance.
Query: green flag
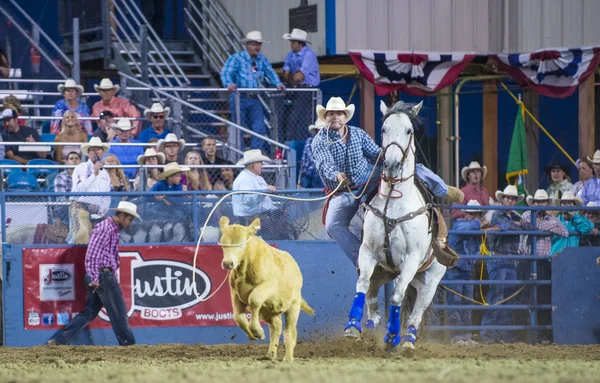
(517, 156)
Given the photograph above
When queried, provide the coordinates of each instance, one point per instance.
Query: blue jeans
(109, 295)
(459, 317)
(496, 294)
(252, 117)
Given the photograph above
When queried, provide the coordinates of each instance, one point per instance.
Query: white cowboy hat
(318, 125)
(123, 124)
(95, 142)
(591, 204)
(540, 195)
(510, 190)
(474, 165)
(251, 156)
(335, 104)
(157, 108)
(70, 84)
(253, 36)
(150, 152)
(473, 203)
(128, 208)
(596, 158)
(170, 169)
(105, 84)
(569, 196)
(297, 35)
(171, 137)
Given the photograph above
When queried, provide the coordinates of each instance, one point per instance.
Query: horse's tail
(306, 308)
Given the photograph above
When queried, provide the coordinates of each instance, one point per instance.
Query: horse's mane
(406, 108)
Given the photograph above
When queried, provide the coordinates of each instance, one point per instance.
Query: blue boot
(393, 334)
(356, 313)
(411, 335)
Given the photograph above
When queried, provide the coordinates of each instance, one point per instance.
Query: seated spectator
(225, 182)
(473, 175)
(70, 132)
(150, 157)
(209, 147)
(559, 179)
(117, 105)
(503, 269)
(467, 245)
(63, 183)
(104, 130)
(157, 116)
(172, 148)
(591, 189)
(575, 222)
(127, 155)
(593, 215)
(586, 173)
(195, 179)
(118, 180)
(71, 92)
(309, 177)
(11, 102)
(88, 177)
(13, 132)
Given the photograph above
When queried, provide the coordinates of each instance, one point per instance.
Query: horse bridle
(391, 181)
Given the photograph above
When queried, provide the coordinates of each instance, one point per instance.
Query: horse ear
(254, 226)
(383, 107)
(223, 222)
(417, 108)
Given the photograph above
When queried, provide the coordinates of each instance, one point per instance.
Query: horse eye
(409, 131)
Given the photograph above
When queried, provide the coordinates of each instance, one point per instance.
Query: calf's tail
(306, 308)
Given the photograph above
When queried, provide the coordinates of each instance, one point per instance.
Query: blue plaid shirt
(238, 70)
(591, 191)
(304, 61)
(333, 156)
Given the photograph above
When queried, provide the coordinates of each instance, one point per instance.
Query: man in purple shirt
(101, 264)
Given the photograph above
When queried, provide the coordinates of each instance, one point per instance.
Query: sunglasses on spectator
(158, 117)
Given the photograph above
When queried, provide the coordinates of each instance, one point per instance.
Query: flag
(551, 72)
(517, 156)
(415, 73)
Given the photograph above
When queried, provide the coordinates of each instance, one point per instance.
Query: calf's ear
(223, 222)
(254, 226)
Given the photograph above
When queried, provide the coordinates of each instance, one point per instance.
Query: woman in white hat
(71, 92)
(118, 106)
(591, 189)
(70, 131)
(150, 157)
(473, 175)
(309, 177)
(575, 222)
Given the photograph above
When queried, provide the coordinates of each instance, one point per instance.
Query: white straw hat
(569, 196)
(123, 124)
(540, 195)
(251, 156)
(171, 137)
(253, 36)
(335, 104)
(474, 165)
(596, 158)
(95, 142)
(170, 169)
(105, 84)
(297, 35)
(474, 209)
(156, 108)
(150, 152)
(318, 125)
(70, 84)
(510, 190)
(128, 208)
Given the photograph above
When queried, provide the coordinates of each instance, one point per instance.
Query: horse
(397, 240)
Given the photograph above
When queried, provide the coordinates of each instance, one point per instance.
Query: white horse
(407, 236)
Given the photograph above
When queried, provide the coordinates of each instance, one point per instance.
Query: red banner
(156, 281)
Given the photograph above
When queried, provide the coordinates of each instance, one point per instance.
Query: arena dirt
(338, 360)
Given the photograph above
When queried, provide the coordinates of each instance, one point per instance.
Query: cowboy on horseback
(346, 154)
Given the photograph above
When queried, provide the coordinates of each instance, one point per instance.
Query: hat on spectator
(70, 84)
(13, 101)
(556, 165)
(150, 152)
(592, 204)
(253, 36)
(596, 158)
(318, 125)
(106, 113)
(297, 35)
(474, 165)
(335, 104)
(569, 196)
(128, 208)
(171, 137)
(157, 108)
(511, 191)
(106, 84)
(251, 156)
(95, 142)
(540, 195)
(123, 124)
(473, 209)
(9, 113)
(170, 169)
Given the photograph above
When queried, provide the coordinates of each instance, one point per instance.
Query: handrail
(227, 19)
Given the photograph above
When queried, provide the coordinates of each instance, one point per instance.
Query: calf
(265, 280)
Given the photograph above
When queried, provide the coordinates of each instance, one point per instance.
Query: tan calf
(265, 280)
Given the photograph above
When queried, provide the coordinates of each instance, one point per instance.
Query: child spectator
(150, 157)
(575, 223)
(70, 131)
(195, 179)
(71, 92)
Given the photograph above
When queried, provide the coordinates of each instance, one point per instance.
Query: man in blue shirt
(300, 70)
(248, 69)
(127, 155)
(157, 115)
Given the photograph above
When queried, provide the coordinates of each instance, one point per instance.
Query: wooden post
(367, 106)
(444, 122)
(490, 135)
(586, 118)
(532, 102)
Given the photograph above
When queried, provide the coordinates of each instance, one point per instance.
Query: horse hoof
(408, 349)
(370, 324)
(258, 334)
(351, 332)
(391, 348)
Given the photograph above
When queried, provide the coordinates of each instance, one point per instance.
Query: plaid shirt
(333, 156)
(548, 223)
(238, 70)
(103, 249)
(63, 183)
(308, 164)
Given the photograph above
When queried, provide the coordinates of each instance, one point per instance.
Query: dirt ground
(338, 360)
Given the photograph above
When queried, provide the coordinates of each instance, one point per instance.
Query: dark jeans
(499, 317)
(109, 295)
(252, 117)
(459, 317)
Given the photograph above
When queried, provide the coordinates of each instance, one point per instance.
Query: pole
(144, 52)
(76, 61)
(105, 31)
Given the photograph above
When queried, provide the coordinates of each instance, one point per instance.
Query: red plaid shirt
(103, 249)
